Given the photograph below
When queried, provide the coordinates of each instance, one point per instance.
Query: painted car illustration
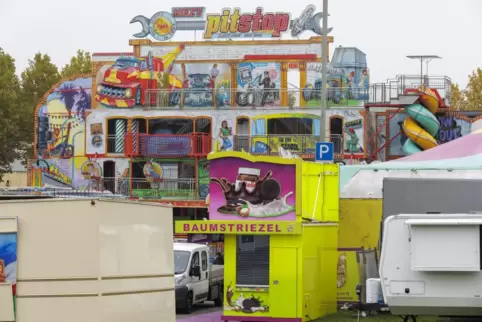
(126, 82)
(198, 90)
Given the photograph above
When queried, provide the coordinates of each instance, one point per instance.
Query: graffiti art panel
(346, 86)
(8, 262)
(60, 122)
(258, 84)
(451, 128)
(204, 85)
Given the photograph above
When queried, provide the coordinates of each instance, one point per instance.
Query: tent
(461, 158)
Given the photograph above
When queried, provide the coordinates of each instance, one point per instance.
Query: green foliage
(470, 97)
(79, 64)
(40, 75)
(11, 110)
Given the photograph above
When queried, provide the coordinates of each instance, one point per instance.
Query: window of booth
(252, 261)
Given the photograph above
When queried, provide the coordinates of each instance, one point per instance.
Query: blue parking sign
(324, 152)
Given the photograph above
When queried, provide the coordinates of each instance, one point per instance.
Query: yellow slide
(421, 125)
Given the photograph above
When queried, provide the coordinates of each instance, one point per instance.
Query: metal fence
(167, 145)
(166, 189)
(253, 97)
(392, 89)
(57, 192)
(115, 144)
(295, 143)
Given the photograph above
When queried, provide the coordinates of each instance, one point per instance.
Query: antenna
(424, 58)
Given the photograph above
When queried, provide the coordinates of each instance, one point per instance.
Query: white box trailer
(86, 260)
(431, 264)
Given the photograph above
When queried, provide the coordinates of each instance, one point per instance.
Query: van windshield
(181, 259)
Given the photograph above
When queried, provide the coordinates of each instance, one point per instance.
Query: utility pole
(324, 71)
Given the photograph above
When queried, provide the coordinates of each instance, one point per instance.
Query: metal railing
(168, 189)
(57, 192)
(300, 144)
(253, 97)
(167, 145)
(115, 144)
(392, 89)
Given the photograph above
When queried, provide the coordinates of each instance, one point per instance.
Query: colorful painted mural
(346, 127)
(259, 84)
(224, 140)
(348, 276)
(135, 81)
(204, 85)
(203, 177)
(245, 303)
(60, 119)
(346, 86)
(254, 191)
(8, 262)
(451, 127)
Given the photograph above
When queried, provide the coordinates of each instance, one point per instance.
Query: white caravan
(431, 264)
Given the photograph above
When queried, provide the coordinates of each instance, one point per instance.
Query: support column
(234, 84)
(184, 77)
(137, 50)
(284, 85)
(120, 130)
(135, 135)
(302, 67)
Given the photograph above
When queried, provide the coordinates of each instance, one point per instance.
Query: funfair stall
(280, 220)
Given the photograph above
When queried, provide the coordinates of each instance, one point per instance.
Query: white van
(196, 279)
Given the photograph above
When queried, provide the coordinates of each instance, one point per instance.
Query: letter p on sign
(324, 152)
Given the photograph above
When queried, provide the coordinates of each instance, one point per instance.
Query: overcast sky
(386, 30)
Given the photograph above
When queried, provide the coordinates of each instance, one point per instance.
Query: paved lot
(205, 312)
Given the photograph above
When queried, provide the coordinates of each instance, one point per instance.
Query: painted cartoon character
(342, 271)
(248, 305)
(352, 142)
(350, 79)
(364, 81)
(214, 72)
(225, 132)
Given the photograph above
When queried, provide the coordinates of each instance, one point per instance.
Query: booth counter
(280, 219)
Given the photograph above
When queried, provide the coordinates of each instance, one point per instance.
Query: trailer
(431, 265)
(64, 260)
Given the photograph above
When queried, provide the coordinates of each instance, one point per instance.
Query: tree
(11, 114)
(471, 96)
(79, 64)
(457, 97)
(40, 75)
(474, 89)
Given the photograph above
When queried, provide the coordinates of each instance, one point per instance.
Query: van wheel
(188, 305)
(219, 300)
(410, 318)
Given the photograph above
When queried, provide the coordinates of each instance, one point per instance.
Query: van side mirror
(196, 271)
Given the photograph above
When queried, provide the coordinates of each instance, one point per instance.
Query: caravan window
(252, 261)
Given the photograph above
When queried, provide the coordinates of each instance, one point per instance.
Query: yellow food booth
(280, 220)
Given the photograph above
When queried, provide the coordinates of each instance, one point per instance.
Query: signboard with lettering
(188, 12)
(231, 227)
(354, 124)
(55, 173)
(230, 23)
